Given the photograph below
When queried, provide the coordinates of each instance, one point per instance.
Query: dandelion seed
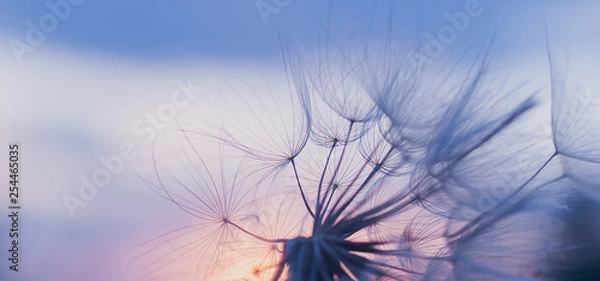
(378, 179)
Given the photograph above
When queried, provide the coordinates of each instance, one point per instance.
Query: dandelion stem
(365, 218)
(252, 234)
(376, 169)
(328, 201)
(501, 203)
(338, 212)
(318, 209)
(301, 189)
(337, 168)
(505, 212)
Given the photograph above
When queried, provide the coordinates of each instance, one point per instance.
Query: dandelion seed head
(403, 173)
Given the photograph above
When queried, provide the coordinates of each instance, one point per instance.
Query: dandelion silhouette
(380, 168)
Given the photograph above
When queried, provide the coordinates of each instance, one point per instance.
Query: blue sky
(235, 29)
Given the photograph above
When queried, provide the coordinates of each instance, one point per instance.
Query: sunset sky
(78, 93)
